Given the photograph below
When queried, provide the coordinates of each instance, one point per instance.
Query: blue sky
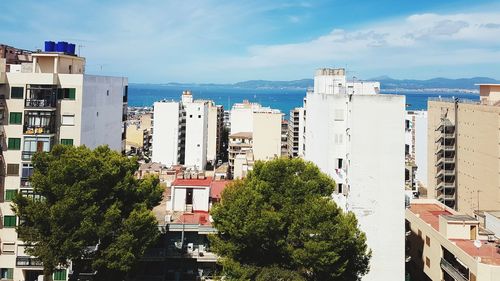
(229, 41)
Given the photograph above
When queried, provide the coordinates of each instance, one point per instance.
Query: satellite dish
(477, 244)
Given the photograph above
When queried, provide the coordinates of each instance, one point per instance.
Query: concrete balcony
(445, 173)
(445, 160)
(446, 197)
(448, 185)
(452, 271)
(26, 261)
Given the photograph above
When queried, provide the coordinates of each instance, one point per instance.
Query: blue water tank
(50, 46)
(61, 46)
(71, 49)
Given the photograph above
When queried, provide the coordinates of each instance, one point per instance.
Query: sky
(227, 41)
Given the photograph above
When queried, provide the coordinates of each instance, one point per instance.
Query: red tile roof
(193, 182)
(197, 217)
(217, 187)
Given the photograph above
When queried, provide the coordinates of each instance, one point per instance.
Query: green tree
(279, 223)
(90, 209)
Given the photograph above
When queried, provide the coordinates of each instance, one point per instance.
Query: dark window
(14, 144)
(339, 163)
(199, 116)
(427, 241)
(189, 196)
(67, 142)
(66, 94)
(12, 169)
(9, 221)
(7, 273)
(17, 92)
(15, 118)
(340, 187)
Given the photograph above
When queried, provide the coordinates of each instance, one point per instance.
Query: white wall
(266, 135)
(102, 113)
(201, 195)
(166, 130)
(377, 180)
(212, 133)
(196, 135)
(200, 198)
(421, 147)
(241, 120)
(179, 199)
(492, 223)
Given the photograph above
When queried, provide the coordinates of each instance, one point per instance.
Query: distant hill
(386, 82)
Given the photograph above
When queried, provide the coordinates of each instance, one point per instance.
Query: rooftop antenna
(80, 46)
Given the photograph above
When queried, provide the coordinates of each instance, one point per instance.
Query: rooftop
(217, 187)
(243, 135)
(193, 182)
(430, 213)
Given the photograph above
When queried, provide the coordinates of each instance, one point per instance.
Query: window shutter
(72, 93)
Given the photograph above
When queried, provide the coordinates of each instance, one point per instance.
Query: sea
(144, 95)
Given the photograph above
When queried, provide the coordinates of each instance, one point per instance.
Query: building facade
(356, 136)
(45, 102)
(463, 149)
(296, 130)
(188, 132)
(443, 244)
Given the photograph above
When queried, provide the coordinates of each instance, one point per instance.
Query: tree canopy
(90, 209)
(280, 223)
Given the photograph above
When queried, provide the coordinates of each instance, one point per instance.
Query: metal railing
(40, 103)
(452, 271)
(28, 261)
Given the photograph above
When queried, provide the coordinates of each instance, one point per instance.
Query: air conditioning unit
(190, 247)
(168, 219)
(492, 238)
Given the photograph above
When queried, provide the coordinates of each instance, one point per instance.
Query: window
(7, 273)
(12, 169)
(67, 94)
(17, 92)
(191, 116)
(199, 116)
(67, 141)
(15, 118)
(10, 194)
(14, 144)
(339, 163)
(68, 120)
(419, 233)
(427, 241)
(427, 262)
(60, 274)
(339, 115)
(8, 247)
(9, 221)
(339, 187)
(27, 171)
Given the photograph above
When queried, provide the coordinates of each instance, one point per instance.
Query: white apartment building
(187, 132)
(296, 130)
(356, 136)
(47, 101)
(260, 124)
(416, 147)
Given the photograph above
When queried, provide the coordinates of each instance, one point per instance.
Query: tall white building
(48, 100)
(187, 132)
(356, 136)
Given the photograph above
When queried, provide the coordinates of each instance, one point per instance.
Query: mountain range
(386, 83)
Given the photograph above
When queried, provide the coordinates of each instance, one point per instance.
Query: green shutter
(71, 93)
(10, 194)
(9, 221)
(15, 118)
(67, 142)
(16, 92)
(14, 144)
(60, 274)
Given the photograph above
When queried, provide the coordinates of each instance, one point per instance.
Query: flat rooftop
(430, 213)
(242, 135)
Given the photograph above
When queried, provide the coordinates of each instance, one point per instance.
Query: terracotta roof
(217, 187)
(197, 217)
(243, 135)
(192, 182)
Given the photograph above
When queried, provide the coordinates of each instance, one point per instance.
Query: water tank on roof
(71, 49)
(61, 47)
(50, 46)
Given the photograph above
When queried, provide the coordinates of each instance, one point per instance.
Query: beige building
(443, 244)
(240, 154)
(42, 103)
(463, 151)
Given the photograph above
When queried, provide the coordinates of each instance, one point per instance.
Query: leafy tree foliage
(279, 223)
(91, 210)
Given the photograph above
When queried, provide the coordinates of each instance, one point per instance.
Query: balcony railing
(28, 261)
(452, 271)
(39, 129)
(40, 103)
(27, 155)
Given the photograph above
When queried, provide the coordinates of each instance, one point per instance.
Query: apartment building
(261, 127)
(463, 149)
(188, 132)
(356, 136)
(183, 250)
(45, 101)
(284, 138)
(296, 130)
(415, 151)
(443, 244)
(139, 135)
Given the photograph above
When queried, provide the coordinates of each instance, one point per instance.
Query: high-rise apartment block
(356, 136)
(46, 99)
(463, 149)
(187, 132)
(256, 134)
(415, 151)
